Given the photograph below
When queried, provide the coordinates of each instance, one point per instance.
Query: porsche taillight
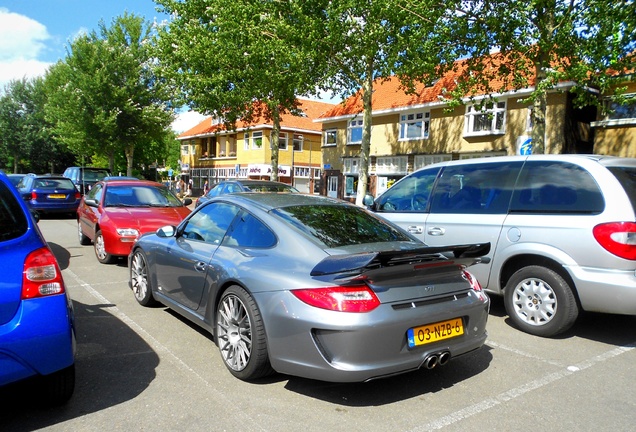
(340, 298)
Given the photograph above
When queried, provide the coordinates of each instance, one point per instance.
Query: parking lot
(148, 369)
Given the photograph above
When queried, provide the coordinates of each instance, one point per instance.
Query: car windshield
(270, 188)
(13, 222)
(338, 225)
(94, 175)
(140, 196)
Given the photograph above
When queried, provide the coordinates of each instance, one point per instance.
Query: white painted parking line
(506, 396)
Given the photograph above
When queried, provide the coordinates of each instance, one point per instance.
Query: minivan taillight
(618, 238)
(42, 276)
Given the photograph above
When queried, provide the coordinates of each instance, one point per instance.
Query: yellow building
(210, 152)
(615, 130)
(410, 131)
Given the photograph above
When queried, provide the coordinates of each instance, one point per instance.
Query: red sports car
(116, 212)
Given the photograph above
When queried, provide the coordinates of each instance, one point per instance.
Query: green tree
(105, 98)
(26, 143)
(548, 41)
(365, 42)
(239, 59)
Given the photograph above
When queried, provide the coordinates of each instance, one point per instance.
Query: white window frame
(491, 112)
(352, 127)
(254, 139)
(282, 141)
(246, 141)
(297, 142)
(410, 120)
(185, 149)
(330, 138)
(351, 165)
(420, 161)
(385, 165)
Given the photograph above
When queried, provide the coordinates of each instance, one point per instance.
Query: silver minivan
(562, 230)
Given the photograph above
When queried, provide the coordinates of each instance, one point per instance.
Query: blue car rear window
(13, 221)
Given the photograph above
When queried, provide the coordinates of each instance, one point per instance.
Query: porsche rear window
(337, 226)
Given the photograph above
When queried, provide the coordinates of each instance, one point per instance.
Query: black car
(85, 177)
(237, 186)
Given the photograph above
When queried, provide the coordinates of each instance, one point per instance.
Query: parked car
(49, 194)
(114, 213)
(312, 286)
(235, 186)
(37, 333)
(562, 229)
(85, 177)
(15, 178)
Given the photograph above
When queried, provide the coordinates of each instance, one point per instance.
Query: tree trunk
(275, 133)
(130, 151)
(363, 173)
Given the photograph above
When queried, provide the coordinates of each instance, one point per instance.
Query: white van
(562, 230)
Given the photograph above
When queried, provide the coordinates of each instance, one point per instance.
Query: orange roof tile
(312, 109)
(388, 93)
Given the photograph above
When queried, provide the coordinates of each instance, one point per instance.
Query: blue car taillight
(42, 276)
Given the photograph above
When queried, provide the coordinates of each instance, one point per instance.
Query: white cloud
(186, 120)
(21, 42)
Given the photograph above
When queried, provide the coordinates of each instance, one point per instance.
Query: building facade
(410, 131)
(211, 152)
(615, 128)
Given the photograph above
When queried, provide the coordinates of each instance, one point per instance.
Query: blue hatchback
(37, 335)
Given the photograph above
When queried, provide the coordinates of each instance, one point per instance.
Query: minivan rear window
(13, 222)
(627, 178)
(557, 188)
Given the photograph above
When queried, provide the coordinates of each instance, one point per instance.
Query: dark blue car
(37, 336)
(48, 194)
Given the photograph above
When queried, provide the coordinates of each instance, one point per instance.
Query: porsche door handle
(200, 266)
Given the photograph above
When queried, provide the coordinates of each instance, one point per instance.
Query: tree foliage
(543, 43)
(105, 98)
(240, 59)
(366, 42)
(26, 143)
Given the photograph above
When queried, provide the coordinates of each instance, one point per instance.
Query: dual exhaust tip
(437, 359)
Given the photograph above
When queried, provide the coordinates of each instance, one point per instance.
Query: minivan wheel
(540, 302)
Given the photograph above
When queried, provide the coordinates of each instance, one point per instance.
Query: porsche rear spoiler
(465, 255)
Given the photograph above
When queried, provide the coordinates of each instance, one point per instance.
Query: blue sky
(35, 34)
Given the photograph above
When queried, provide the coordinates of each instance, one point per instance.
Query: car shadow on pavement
(110, 370)
(418, 384)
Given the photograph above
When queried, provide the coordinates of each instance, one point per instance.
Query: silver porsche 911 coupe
(313, 287)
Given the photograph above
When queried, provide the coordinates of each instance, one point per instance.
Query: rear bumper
(355, 347)
(39, 340)
(54, 208)
(605, 290)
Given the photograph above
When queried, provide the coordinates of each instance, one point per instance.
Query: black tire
(83, 239)
(58, 387)
(140, 280)
(240, 335)
(540, 302)
(100, 249)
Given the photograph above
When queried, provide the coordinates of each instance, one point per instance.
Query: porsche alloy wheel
(139, 281)
(240, 335)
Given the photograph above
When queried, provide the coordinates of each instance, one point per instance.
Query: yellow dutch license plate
(430, 333)
(57, 196)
